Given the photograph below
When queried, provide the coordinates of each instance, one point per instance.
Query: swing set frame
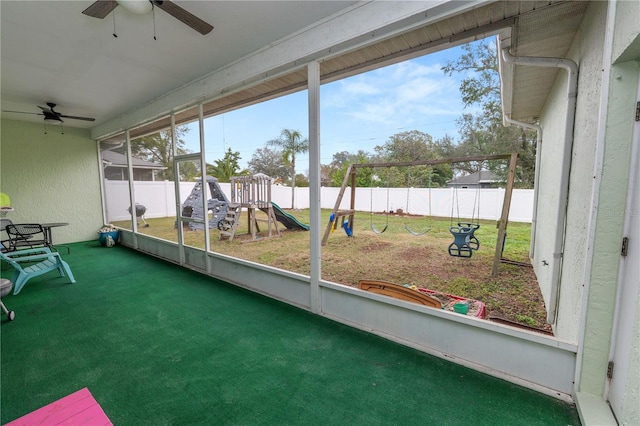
(348, 215)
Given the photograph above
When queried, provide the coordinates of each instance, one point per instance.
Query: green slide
(286, 219)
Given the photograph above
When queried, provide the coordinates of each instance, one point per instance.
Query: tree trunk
(293, 182)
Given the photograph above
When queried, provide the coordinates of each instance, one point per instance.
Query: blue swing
(474, 244)
(464, 240)
(461, 238)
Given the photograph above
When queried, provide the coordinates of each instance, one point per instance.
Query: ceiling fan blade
(77, 118)
(101, 8)
(22, 112)
(45, 109)
(186, 17)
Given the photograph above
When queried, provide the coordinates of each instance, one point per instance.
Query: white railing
(159, 200)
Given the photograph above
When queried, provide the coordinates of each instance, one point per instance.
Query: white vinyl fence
(159, 199)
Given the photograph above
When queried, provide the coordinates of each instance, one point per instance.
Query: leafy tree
(479, 63)
(483, 133)
(157, 148)
(325, 175)
(341, 162)
(415, 146)
(269, 162)
(407, 146)
(226, 167)
(478, 137)
(302, 181)
(292, 144)
(444, 147)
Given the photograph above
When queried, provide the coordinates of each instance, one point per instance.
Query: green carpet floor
(157, 344)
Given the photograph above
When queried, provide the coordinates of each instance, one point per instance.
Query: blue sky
(356, 113)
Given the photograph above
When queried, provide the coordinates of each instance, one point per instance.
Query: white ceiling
(51, 52)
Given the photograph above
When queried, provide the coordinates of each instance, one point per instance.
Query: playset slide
(286, 219)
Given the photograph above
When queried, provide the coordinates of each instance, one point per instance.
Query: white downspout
(534, 215)
(572, 93)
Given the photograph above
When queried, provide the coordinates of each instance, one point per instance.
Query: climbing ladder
(229, 223)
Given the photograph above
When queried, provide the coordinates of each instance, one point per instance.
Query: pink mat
(79, 408)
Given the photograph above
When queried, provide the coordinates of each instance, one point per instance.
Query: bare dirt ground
(397, 256)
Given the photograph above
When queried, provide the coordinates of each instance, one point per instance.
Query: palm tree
(225, 168)
(291, 143)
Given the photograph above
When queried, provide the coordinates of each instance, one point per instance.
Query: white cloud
(410, 91)
(362, 87)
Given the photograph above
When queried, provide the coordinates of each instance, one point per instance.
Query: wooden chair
(39, 260)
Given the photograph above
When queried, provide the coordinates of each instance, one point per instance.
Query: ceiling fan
(51, 116)
(101, 8)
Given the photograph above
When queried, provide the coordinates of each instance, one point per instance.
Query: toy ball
(109, 242)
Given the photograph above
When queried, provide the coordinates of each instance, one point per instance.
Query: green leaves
(483, 133)
(226, 167)
(157, 148)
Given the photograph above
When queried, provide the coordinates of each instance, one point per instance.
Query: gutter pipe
(572, 93)
(508, 120)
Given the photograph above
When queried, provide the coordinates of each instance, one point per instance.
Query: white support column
(313, 81)
(132, 195)
(176, 188)
(205, 187)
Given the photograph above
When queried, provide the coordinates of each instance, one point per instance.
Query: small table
(47, 232)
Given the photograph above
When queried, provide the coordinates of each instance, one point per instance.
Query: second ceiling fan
(101, 8)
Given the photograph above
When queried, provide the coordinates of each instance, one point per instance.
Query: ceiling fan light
(50, 120)
(139, 7)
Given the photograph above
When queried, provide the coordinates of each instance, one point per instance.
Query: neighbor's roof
(115, 159)
(483, 176)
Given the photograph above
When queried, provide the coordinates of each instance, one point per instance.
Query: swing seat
(412, 232)
(461, 239)
(474, 244)
(378, 231)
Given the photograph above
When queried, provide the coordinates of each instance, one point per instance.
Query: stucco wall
(586, 51)
(616, 140)
(51, 177)
(599, 177)
(552, 122)
(631, 408)
(626, 44)
(609, 223)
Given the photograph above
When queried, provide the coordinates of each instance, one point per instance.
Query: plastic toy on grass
(423, 296)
